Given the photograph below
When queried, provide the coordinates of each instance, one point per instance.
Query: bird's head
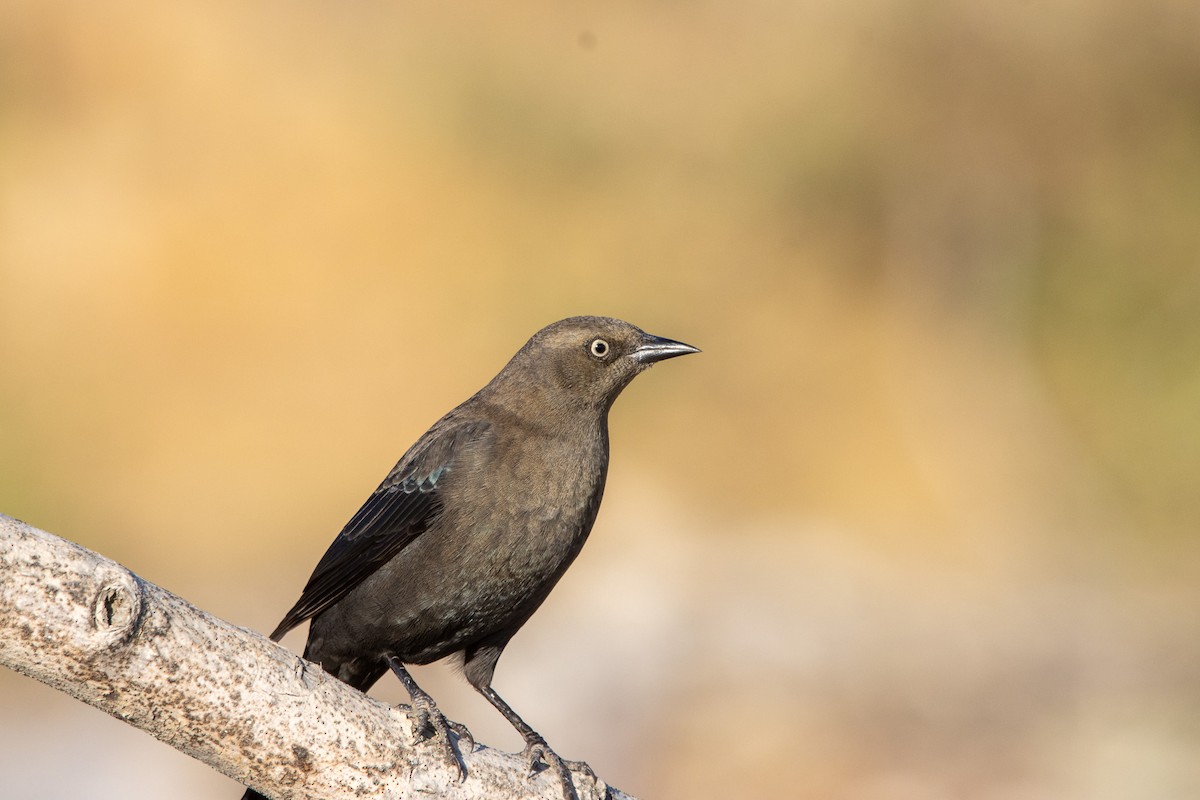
(587, 360)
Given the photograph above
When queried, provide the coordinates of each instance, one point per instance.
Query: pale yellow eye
(598, 348)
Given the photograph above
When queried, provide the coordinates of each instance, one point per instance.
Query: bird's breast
(533, 510)
(514, 516)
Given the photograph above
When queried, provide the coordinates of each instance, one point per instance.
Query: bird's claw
(583, 768)
(462, 733)
(430, 722)
(537, 750)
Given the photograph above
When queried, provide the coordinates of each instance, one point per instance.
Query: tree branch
(227, 696)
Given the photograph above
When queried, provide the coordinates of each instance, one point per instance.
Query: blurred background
(919, 523)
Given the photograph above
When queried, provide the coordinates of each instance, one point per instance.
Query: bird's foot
(537, 750)
(430, 722)
(582, 767)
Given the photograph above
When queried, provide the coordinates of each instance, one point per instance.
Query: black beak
(656, 348)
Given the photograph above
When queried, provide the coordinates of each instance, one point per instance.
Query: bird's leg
(426, 715)
(536, 748)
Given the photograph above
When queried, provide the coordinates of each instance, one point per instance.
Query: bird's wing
(399, 511)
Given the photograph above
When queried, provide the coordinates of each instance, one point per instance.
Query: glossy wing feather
(400, 510)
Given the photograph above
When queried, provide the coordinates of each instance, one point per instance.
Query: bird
(473, 527)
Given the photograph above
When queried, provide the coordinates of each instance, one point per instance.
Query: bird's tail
(253, 795)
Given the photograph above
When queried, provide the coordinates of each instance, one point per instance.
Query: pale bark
(225, 695)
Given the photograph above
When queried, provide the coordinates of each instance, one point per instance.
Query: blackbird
(476, 523)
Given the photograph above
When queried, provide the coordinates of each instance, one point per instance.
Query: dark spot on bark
(302, 757)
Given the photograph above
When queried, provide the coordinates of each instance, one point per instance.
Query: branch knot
(117, 609)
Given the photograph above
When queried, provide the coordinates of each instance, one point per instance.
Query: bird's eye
(598, 348)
